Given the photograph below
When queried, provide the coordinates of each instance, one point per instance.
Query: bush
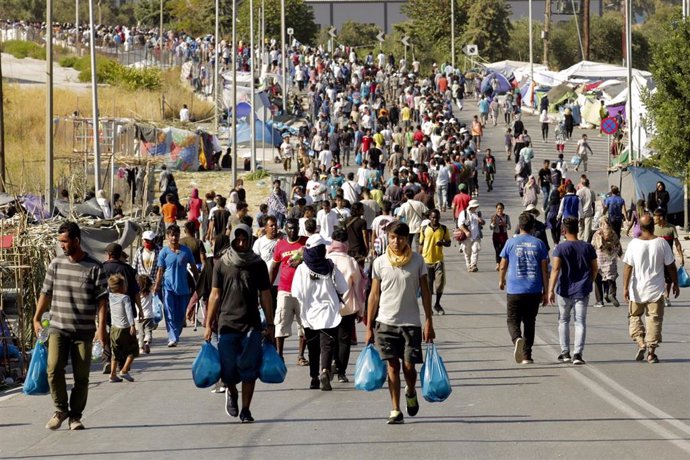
(111, 72)
(68, 61)
(21, 49)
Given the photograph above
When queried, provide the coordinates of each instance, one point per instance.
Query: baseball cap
(148, 235)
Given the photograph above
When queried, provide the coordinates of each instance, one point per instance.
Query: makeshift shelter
(560, 94)
(264, 132)
(636, 183)
(501, 84)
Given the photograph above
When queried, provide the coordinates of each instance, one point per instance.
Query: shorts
(240, 356)
(399, 342)
(123, 344)
(287, 310)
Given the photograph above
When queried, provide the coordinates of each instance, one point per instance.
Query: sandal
(301, 361)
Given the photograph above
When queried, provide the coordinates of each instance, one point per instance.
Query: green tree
(147, 12)
(565, 45)
(298, 15)
(518, 49)
(488, 27)
(358, 34)
(669, 107)
(429, 27)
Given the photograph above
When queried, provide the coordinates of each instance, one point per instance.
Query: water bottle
(45, 323)
(96, 351)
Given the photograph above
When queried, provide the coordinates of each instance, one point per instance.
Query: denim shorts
(240, 356)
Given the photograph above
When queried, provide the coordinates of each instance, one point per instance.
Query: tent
(503, 84)
(636, 183)
(263, 131)
(559, 95)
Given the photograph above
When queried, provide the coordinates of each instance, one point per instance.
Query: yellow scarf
(399, 260)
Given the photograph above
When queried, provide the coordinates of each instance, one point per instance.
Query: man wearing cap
(240, 283)
(172, 279)
(538, 228)
(461, 200)
(146, 257)
(471, 222)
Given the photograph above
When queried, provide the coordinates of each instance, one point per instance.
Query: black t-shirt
(355, 236)
(239, 295)
(374, 156)
(545, 177)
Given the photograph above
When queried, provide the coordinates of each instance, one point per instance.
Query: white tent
(598, 71)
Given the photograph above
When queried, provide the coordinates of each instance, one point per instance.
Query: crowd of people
(331, 249)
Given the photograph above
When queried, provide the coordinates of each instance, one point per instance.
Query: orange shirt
(169, 211)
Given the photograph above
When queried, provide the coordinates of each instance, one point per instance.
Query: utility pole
(283, 54)
(49, 106)
(160, 31)
(452, 33)
(2, 136)
(531, 54)
(77, 42)
(235, 157)
(585, 26)
(547, 26)
(94, 102)
(216, 68)
(252, 60)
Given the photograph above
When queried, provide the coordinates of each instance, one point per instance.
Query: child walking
(123, 332)
(145, 325)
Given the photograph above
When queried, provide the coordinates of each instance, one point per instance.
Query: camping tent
(263, 131)
(636, 183)
(503, 84)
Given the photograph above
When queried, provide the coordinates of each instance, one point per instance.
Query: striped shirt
(75, 288)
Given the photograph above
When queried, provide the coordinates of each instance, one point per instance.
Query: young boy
(169, 210)
(146, 325)
(123, 332)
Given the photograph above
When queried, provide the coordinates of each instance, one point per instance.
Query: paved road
(611, 408)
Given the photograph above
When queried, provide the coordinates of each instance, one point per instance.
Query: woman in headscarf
(319, 288)
(277, 203)
(659, 198)
(193, 208)
(530, 192)
(552, 221)
(240, 279)
(608, 248)
(352, 308)
(104, 204)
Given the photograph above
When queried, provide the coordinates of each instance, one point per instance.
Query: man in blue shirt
(524, 262)
(172, 276)
(614, 206)
(574, 266)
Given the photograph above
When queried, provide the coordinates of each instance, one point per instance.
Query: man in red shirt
(286, 257)
(366, 142)
(460, 200)
(418, 135)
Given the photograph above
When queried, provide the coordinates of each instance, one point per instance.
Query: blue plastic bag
(206, 366)
(273, 369)
(575, 160)
(370, 370)
(36, 382)
(683, 277)
(157, 309)
(358, 159)
(435, 382)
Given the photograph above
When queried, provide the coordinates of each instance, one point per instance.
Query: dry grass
(25, 123)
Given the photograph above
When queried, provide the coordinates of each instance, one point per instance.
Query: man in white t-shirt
(326, 220)
(646, 258)
(265, 245)
(325, 159)
(184, 114)
(412, 212)
(286, 153)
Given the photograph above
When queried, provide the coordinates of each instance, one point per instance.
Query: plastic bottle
(45, 324)
(96, 351)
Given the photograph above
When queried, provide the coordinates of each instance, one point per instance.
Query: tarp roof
(598, 70)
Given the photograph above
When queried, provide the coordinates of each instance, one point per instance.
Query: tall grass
(25, 123)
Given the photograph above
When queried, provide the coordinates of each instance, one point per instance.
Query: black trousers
(344, 342)
(522, 317)
(604, 288)
(321, 347)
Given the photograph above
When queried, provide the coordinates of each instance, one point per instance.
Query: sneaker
(396, 418)
(75, 424)
(342, 378)
(519, 352)
(639, 356)
(246, 416)
(315, 384)
(412, 403)
(218, 388)
(325, 381)
(607, 298)
(439, 310)
(527, 361)
(106, 368)
(652, 358)
(301, 361)
(231, 407)
(172, 344)
(564, 357)
(615, 302)
(127, 377)
(56, 420)
(115, 379)
(577, 359)
(598, 305)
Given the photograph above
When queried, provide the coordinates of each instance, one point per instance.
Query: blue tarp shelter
(636, 183)
(503, 84)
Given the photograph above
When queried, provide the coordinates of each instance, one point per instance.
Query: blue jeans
(240, 356)
(565, 305)
(175, 308)
(545, 194)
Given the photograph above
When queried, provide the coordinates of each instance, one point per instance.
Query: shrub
(111, 72)
(21, 49)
